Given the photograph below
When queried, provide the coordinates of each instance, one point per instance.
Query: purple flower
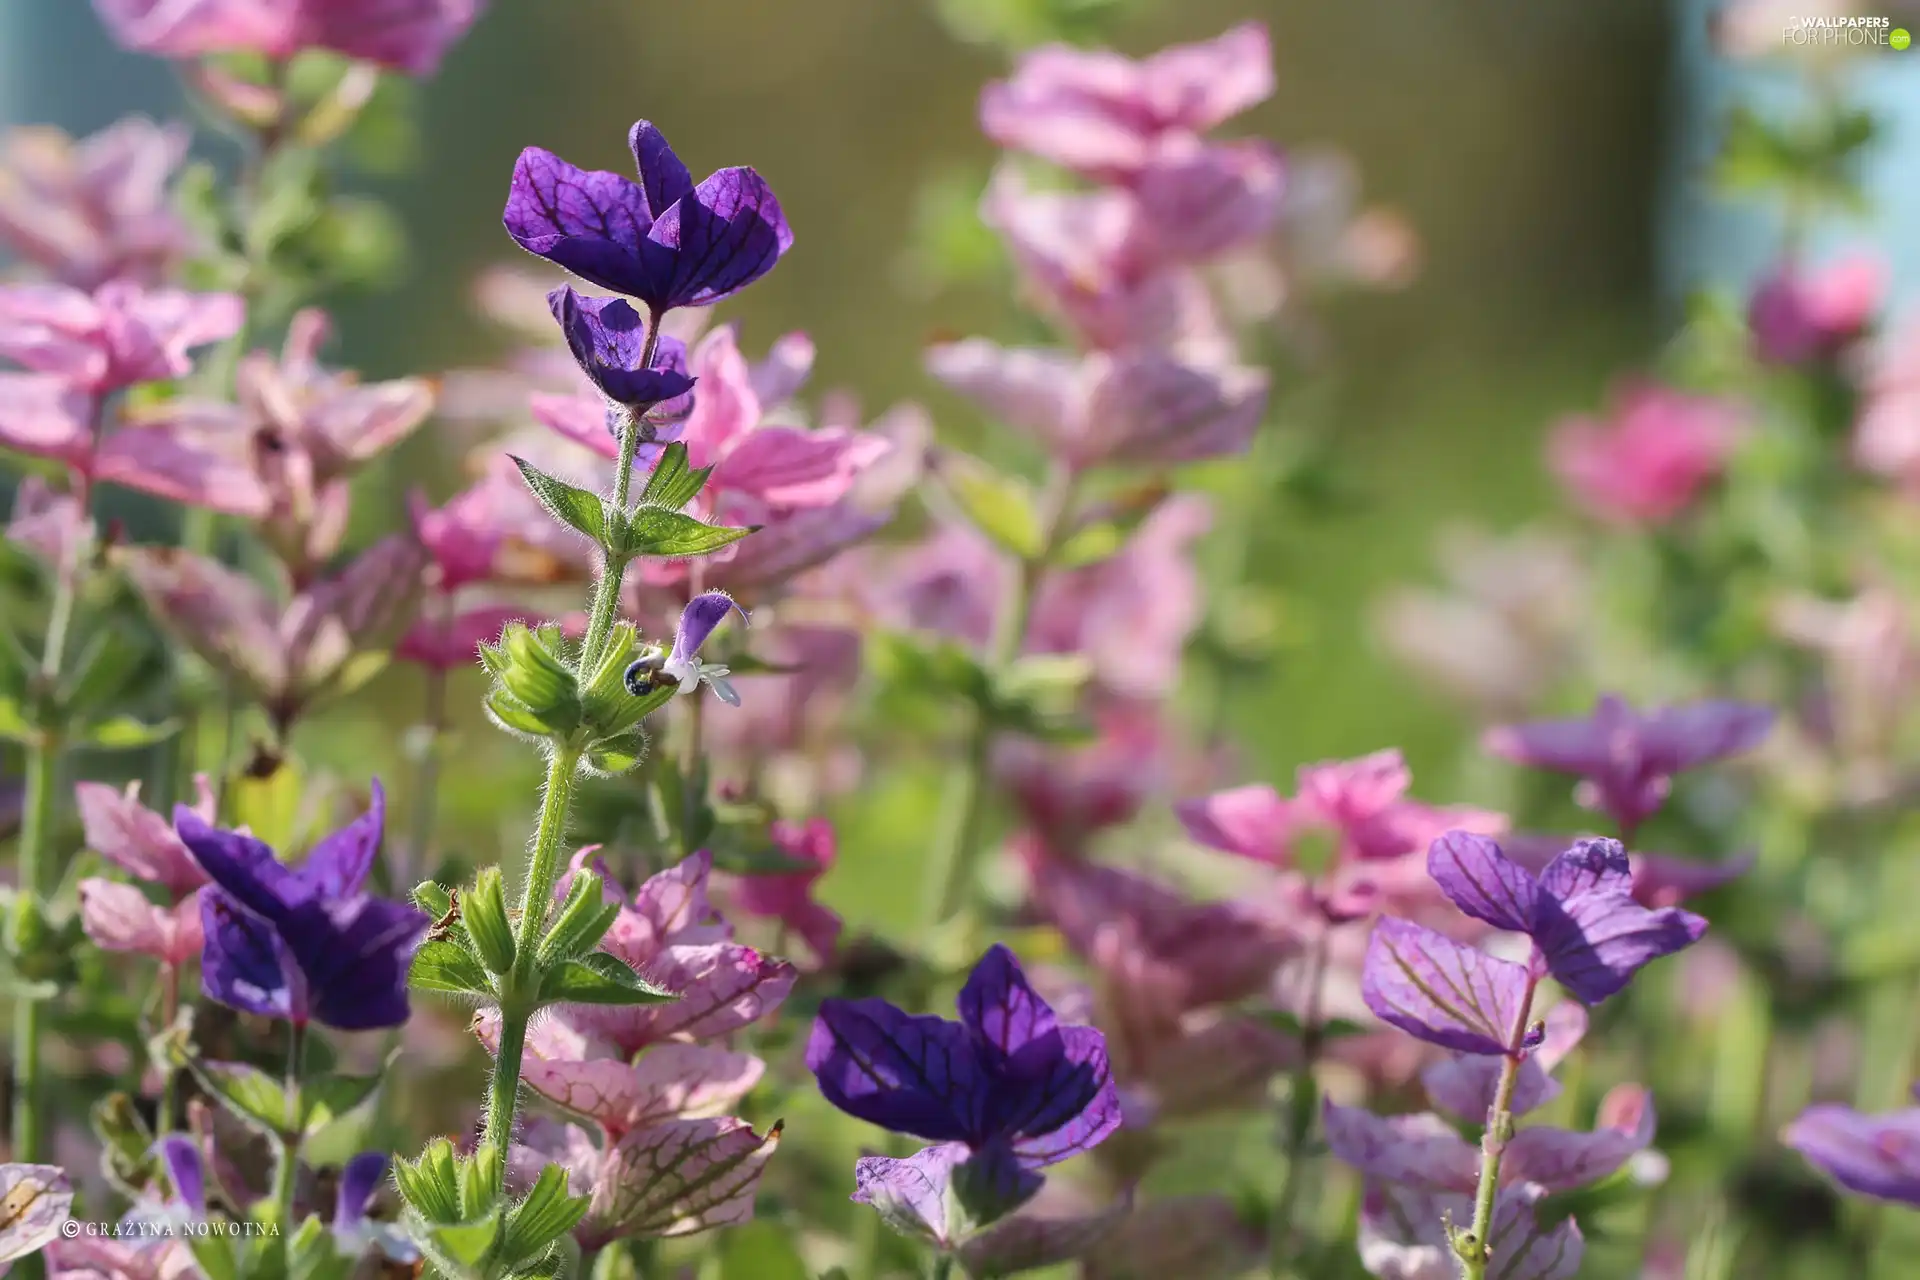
(304, 944)
(607, 338)
(1628, 757)
(1006, 1080)
(697, 621)
(1875, 1155)
(661, 239)
(354, 1233)
(1588, 930)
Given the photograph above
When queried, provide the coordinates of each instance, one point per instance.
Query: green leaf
(999, 506)
(673, 484)
(928, 665)
(248, 1092)
(599, 978)
(101, 676)
(217, 1256)
(311, 1254)
(124, 733)
(1089, 544)
(327, 1098)
(573, 507)
(14, 726)
(451, 969)
(662, 532)
(758, 859)
(546, 1214)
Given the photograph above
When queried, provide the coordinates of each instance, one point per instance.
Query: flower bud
(485, 913)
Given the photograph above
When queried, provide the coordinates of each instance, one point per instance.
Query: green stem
(287, 1166)
(536, 902)
(1472, 1247)
(1300, 1115)
(956, 843)
(169, 1010)
(35, 877)
(943, 1266)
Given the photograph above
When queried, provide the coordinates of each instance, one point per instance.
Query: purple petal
(591, 222)
(1439, 991)
(1592, 932)
(1420, 1150)
(242, 962)
(911, 1074)
(354, 956)
(697, 621)
(664, 179)
(1464, 1086)
(338, 865)
(1073, 1107)
(186, 1172)
(1401, 1235)
(1875, 1155)
(241, 865)
(1679, 738)
(1483, 881)
(360, 1181)
(1001, 1007)
(608, 338)
(725, 235)
(1561, 1160)
(910, 1195)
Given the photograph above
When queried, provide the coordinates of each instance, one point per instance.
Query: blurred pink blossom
(51, 525)
(96, 209)
(1886, 434)
(788, 896)
(1068, 793)
(1105, 115)
(1141, 406)
(450, 643)
(119, 917)
(139, 841)
(1798, 314)
(405, 35)
(1649, 456)
(118, 335)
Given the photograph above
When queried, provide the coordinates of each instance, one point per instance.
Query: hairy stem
(956, 839)
(1472, 1247)
(536, 902)
(1300, 1114)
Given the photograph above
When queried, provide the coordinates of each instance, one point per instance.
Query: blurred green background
(1525, 144)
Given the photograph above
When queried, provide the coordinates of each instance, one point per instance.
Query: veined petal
(1440, 991)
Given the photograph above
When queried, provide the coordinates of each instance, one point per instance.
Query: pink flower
(94, 210)
(290, 650)
(1142, 406)
(1105, 115)
(1131, 614)
(1067, 794)
(1886, 435)
(139, 841)
(298, 428)
(463, 537)
(788, 897)
(406, 35)
(1796, 316)
(114, 337)
(450, 643)
(50, 525)
(1092, 259)
(1648, 459)
(119, 917)
(1361, 805)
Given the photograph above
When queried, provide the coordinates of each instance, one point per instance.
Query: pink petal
(44, 416)
(122, 830)
(682, 1177)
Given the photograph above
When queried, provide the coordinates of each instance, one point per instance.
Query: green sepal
(480, 1186)
(257, 1098)
(599, 978)
(433, 898)
(542, 1218)
(583, 919)
(484, 911)
(430, 1183)
(445, 966)
(622, 753)
(574, 507)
